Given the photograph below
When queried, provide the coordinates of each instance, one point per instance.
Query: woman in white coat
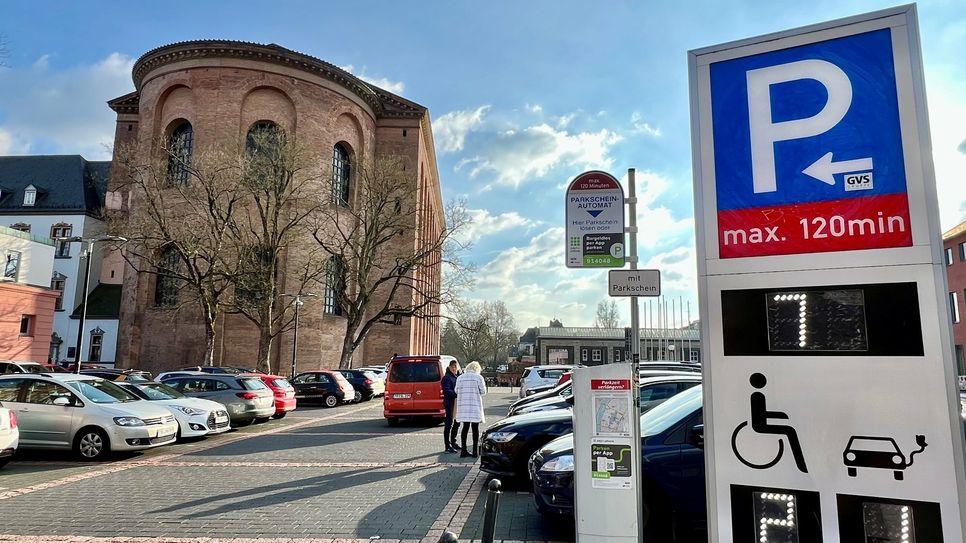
(470, 388)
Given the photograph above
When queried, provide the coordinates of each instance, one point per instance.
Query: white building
(62, 196)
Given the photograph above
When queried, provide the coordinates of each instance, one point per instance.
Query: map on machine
(612, 415)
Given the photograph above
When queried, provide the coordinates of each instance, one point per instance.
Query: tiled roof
(579, 332)
(63, 183)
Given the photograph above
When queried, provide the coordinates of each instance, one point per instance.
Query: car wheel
(92, 444)
(368, 398)
(357, 397)
(280, 415)
(330, 401)
(392, 421)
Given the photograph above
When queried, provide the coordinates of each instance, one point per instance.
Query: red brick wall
(956, 276)
(15, 302)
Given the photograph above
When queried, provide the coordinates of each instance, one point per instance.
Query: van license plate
(402, 396)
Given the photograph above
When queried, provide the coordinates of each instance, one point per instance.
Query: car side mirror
(62, 401)
(696, 436)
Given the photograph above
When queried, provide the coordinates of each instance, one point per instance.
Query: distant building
(200, 93)
(595, 346)
(26, 302)
(954, 254)
(62, 196)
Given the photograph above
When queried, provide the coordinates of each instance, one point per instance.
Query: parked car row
(535, 442)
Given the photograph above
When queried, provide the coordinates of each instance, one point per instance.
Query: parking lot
(317, 474)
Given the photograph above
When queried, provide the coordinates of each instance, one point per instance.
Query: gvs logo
(858, 181)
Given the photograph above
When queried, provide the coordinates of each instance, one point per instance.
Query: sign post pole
(635, 346)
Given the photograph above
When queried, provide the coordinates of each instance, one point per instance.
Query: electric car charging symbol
(879, 452)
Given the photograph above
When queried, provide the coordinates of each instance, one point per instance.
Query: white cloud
(395, 87)
(62, 110)
(564, 120)
(640, 126)
(534, 108)
(450, 130)
(947, 118)
(483, 223)
(514, 157)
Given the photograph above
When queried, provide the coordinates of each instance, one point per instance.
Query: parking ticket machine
(830, 401)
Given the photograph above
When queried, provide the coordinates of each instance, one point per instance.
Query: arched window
(166, 286)
(334, 285)
(341, 169)
(179, 153)
(265, 139)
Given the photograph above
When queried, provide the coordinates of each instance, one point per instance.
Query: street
(318, 473)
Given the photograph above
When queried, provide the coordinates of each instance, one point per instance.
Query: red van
(414, 387)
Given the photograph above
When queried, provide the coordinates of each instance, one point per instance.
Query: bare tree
(181, 231)
(502, 333)
(482, 331)
(607, 315)
(384, 264)
(281, 184)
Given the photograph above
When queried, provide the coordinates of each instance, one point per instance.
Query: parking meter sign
(595, 221)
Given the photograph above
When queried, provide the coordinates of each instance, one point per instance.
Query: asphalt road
(316, 475)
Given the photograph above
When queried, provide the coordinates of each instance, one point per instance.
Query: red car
(284, 393)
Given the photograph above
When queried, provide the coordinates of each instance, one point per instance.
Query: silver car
(245, 396)
(90, 415)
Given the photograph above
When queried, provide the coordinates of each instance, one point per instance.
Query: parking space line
(242, 464)
(127, 464)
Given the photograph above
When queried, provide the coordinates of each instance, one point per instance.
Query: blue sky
(523, 94)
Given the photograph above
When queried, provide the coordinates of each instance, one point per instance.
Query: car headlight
(502, 437)
(128, 421)
(190, 411)
(561, 463)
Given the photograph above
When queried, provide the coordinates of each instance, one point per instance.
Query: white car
(538, 376)
(380, 371)
(9, 435)
(89, 415)
(196, 416)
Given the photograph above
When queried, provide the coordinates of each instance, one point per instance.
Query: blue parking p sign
(808, 149)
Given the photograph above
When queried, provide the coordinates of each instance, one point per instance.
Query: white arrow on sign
(824, 169)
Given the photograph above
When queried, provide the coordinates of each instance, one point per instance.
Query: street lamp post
(295, 337)
(88, 251)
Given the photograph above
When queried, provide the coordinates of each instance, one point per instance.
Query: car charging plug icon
(879, 452)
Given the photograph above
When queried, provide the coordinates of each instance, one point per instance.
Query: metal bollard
(490, 509)
(448, 537)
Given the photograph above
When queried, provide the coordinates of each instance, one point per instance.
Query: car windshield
(33, 368)
(281, 383)
(670, 412)
(252, 383)
(101, 391)
(157, 391)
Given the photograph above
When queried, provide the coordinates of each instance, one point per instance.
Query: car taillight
(13, 420)
(368, 381)
(246, 395)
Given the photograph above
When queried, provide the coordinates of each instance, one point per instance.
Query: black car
(557, 391)
(231, 370)
(366, 384)
(506, 446)
(672, 456)
(322, 386)
(654, 390)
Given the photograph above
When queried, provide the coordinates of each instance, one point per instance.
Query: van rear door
(427, 385)
(399, 387)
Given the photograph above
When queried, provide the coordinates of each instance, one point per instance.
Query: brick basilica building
(215, 91)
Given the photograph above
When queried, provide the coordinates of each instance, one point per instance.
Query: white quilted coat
(470, 389)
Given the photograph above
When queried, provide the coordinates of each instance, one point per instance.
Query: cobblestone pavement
(316, 475)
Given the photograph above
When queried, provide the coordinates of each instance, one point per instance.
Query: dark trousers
(476, 434)
(451, 427)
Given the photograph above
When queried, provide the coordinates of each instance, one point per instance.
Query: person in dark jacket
(449, 403)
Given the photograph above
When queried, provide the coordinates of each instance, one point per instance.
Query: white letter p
(764, 132)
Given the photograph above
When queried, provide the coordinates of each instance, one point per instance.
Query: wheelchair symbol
(761, 423)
